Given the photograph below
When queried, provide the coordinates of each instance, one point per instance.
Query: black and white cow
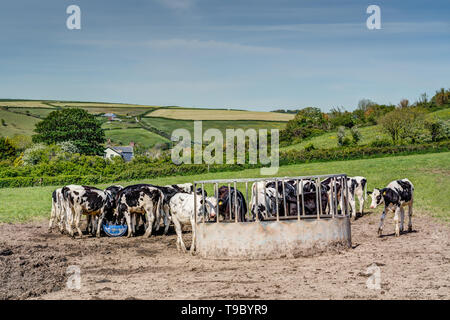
(263, 201)
(57, 214)
(227, 199)
(93, 220)
(357, 188)
(395, 196)
(85, 200)
(182, 212)
(267, 202)
(140, 199)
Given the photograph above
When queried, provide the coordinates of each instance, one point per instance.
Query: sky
(247, 54)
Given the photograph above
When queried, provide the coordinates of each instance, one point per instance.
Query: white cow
(182, 213)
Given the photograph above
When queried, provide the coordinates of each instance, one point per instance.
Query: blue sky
(249, 54)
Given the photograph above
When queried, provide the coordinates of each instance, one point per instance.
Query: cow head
(207, 208)
(377, 197)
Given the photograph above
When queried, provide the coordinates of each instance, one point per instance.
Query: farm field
(212, 114)
(428, 172)
(24, 103)
(125, 268)
(168, 125)
(329, 139)
(16, 124)
(139, 136)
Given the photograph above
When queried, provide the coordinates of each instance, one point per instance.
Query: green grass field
(16, 124)
(140, 136)
(169, 125)
(429, 173)
(329, 140)
(443, 114)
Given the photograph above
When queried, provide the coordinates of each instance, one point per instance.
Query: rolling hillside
(145, 125)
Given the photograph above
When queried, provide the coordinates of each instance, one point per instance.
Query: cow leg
(151, 220)
(166, 221)
(179, 231)
(52, 218)
(194, 236)
(99, 224)
(361, 204)
(410, 211)
(402, 218)
(353, 206)
(128, 219)
(380, 228)
(77, 225)
(397, 229)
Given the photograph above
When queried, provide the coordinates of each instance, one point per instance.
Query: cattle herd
(151, 206)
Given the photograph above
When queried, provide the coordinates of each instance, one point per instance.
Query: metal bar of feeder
(229, 200)
(303, 198)
(276, 197)
(247, 203)
(203, 201)
(317, 199)
(235, 203)
(347, 196)
(195, 203)
(256, 201)
(262, 179)
(335, 193)
(320, 198)
(265, 198)
(298, 200)
(216, 192)
(284, 198)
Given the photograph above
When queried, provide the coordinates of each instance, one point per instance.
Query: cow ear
(369, 192)
(383, 191)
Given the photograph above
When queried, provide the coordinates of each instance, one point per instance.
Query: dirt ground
(33, 265)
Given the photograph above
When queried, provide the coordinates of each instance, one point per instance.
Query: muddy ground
(33, 264)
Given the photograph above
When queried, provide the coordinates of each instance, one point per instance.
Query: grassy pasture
(121, 111)
(212, 114)
(443, 114)
(24, 103)
(140, 136)
(37, 112)
(329, 139)
(168, 125)
(429, 173)
(16, 124)
(100, 105)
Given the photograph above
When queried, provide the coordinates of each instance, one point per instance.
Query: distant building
(126, 153)
(112, 117)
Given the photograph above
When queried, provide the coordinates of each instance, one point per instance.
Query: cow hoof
(380, 232)
(410, 229)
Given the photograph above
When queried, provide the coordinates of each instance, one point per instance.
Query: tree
(403, 123)
(307, 122)
(75, 125)
(6, 149)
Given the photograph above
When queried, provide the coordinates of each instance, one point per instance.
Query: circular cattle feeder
(284, 217)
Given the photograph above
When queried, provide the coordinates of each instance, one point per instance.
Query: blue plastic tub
(114, 230)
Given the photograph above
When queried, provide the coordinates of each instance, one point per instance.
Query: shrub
(356, 135)
(342, 139)
(7, 150)
(310, 147)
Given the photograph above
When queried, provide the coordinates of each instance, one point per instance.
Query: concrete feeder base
(272, 239)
